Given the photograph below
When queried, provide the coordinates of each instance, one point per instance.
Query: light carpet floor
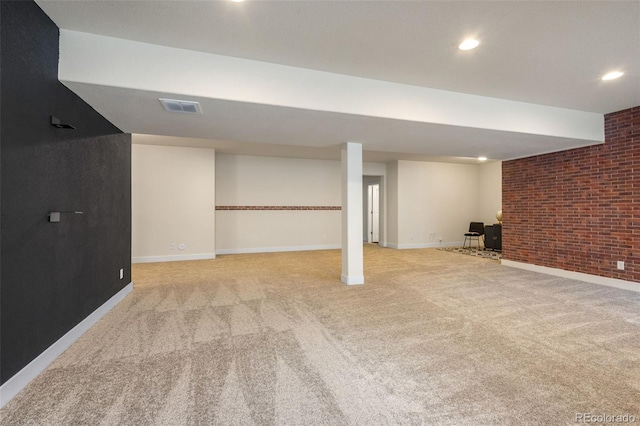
(274, 339)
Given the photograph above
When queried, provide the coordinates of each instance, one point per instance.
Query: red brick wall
(578, 210)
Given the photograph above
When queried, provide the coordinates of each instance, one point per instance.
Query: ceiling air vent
(185, 107)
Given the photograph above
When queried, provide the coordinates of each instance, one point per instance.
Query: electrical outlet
(621, 265)
(172, 246)
(121, 273)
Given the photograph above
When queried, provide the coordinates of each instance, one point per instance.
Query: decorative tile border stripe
(278, 208)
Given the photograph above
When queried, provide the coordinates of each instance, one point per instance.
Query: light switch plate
(54, 217)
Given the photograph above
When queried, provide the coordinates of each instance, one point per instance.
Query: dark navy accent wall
(53, 275)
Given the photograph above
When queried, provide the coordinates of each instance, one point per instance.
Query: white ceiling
(549, 53)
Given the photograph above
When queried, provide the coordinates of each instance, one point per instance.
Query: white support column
(352, 258)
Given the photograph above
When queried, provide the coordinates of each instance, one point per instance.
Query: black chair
(476, 230)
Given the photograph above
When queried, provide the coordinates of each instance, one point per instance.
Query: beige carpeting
(274, 339)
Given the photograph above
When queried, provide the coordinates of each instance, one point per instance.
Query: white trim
(173, 258)
(424, 245)
(352, 280)
(594, 279)
(277, 249)
(22, 378)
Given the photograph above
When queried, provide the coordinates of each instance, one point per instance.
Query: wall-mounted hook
(55, 122)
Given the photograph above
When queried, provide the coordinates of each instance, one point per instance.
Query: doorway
(372, 209)
(373, 213)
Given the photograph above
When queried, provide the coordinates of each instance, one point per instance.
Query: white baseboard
(277, 249)
(424, 245)
(173, 258)
(15, 384)
(352, 280)
(594, 279)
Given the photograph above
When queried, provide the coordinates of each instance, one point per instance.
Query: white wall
(268, 181)
(173, 201)
(175, 191)
(435, 201)
(392, 204)
(489, 192)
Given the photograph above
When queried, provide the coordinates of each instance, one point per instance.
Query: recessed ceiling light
(237, 1)
(469, 44)
(612, 75)
(482, 158)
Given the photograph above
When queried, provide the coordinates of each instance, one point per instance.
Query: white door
(373, 226)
